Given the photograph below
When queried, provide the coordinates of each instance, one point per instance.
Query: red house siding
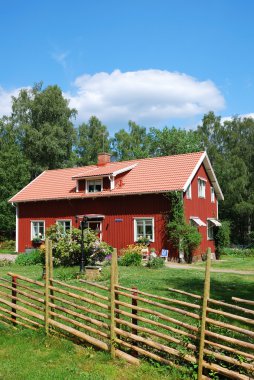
(118, 225)
(201, 207)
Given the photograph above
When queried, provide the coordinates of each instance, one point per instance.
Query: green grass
(7, 251)
(28, 355)
(231, 262)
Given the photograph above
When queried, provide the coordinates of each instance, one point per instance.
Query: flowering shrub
(67, 247)
(133, 248)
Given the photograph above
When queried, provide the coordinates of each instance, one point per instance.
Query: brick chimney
(103, 159)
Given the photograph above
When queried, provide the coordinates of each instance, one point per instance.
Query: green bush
(222, 237)
(130, 259)
(155, 263)
(5, 263)
(238, 252)
(31, 258)
(8, 245)
(67, 247)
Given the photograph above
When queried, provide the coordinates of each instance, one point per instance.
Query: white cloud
(6, 100)
(144, 96)
(61, 58)
(242, 116)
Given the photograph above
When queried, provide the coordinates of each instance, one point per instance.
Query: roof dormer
(95, 177)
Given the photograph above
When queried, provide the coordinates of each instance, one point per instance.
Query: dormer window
(94, 186)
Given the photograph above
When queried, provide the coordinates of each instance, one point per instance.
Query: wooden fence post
(113, 282)
(51, 275)
(206, 295)
(134, 321)
(46, 315)
(14, 300)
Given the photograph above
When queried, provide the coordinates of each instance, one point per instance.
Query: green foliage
(45, 133)
(93, 138)
(67, 247)
(183, 236)
(230, 148)
(169, 141)
(32, 258)
(5, 263)
(8, 245)
(155, 263)
(132, 144)
(14, 174)
(238, 252)
(130, 259)
(222, 237)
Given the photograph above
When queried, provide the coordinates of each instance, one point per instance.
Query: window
(188, 192)
(64, 225)
(144, 227)
(210, 226)
(201, 188)
(94, 186)
(212, 195)
(38, 230)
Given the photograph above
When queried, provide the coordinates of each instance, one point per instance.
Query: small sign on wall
(118, 220)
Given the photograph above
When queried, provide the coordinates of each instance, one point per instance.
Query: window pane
(97, 187)
(67, 225)
(149, 232)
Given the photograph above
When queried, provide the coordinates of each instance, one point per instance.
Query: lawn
(231, 262)
(30, 355)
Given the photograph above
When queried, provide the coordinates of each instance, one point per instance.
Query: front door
(96, 226)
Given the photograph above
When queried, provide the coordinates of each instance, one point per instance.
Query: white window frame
(201, 187)
(63, 221)
(135, 227)
(210, 227)
(212, 195)
(188, 192)
(94, 180)
(37, 221)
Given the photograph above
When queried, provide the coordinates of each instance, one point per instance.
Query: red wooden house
(123, 200)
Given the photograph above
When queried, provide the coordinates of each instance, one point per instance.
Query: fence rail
(132, 324)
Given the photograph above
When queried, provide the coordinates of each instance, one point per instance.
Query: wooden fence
(207, 334)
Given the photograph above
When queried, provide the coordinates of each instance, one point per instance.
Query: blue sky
(157, 62)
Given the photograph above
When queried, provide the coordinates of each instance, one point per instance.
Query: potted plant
(36, 242)
(143, 240)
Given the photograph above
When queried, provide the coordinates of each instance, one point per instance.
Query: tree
(169, 141)
(14, 174)
(93, 138)
(132, 144)
(45, 132)
(230, 148)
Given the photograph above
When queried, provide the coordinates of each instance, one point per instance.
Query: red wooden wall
(118, 234)
(201, 207)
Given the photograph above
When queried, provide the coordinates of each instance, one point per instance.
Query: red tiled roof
(149, 175)
(99, 171)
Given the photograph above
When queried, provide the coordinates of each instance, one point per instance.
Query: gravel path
(193, 267)
(7, 256)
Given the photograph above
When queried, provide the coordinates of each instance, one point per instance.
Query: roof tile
(149, 175)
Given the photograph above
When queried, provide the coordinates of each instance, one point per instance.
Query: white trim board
(211, 175)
